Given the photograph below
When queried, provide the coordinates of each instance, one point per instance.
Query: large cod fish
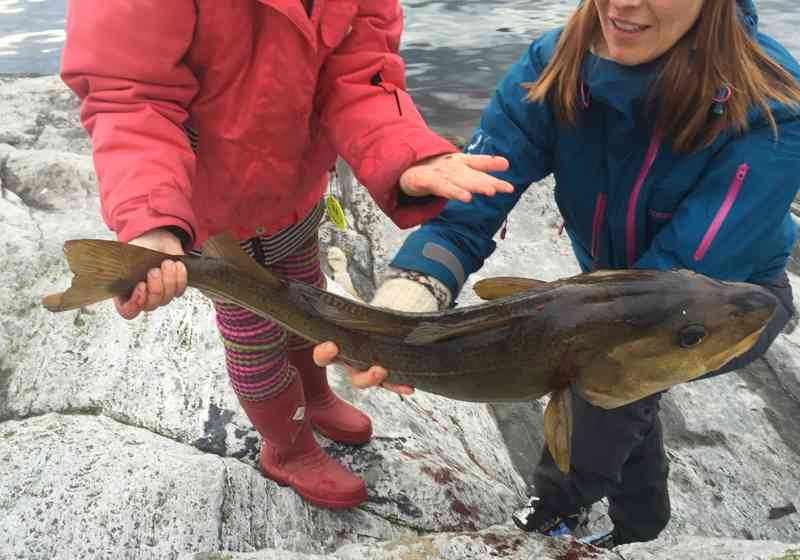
(617, 336)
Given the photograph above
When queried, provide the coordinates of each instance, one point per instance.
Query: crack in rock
(3, 171)
(5, 382)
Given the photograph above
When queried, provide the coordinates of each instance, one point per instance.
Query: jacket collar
(622, 87)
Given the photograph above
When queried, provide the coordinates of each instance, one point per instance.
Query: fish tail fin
(558, 428)
(102, 269)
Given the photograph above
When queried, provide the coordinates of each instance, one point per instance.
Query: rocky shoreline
(123, 440)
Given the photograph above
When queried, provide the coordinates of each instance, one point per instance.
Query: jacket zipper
(630, 222)
(597, 226)
(722, 213)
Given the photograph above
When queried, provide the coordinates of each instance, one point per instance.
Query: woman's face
(637, 31)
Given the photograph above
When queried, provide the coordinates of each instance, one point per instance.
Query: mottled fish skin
(615, 334)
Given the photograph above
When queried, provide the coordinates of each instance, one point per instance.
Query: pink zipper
(722, 213)
(630, 224)
(597, 224)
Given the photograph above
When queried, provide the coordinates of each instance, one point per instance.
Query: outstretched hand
(325, 354)
(163, 284)
(455, 176)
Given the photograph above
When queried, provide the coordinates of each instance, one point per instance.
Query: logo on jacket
(477, 140)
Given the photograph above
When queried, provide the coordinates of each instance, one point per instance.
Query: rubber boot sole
(318, 501)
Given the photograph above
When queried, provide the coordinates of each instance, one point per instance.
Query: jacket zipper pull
(504, 230)
(721, 96)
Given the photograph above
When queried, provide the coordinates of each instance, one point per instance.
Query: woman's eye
(691, 336)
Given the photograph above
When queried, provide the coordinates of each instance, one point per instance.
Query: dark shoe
(536, 518)
(605, 540)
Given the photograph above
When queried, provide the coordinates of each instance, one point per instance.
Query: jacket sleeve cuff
(381, 176)
(183, 236)
(436, 258)
(164, 208)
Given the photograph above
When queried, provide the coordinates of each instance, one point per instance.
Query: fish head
(673, 328)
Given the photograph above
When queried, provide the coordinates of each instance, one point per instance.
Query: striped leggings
(256, 349)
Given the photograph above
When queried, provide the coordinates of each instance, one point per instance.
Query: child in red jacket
(210, 116)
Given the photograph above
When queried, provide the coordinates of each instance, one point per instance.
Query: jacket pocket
(656, 219)
(722, 213)
(659, 216)
(337, 21)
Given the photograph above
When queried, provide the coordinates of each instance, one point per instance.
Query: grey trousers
(619, 454)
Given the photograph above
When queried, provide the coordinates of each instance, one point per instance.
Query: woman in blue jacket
(673, 132)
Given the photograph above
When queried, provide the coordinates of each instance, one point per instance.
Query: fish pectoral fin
(502, 286)
(430, 332)
(558, 428)
(224, 246)
(426, 333)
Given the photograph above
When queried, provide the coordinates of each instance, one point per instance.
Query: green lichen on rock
(789, 555)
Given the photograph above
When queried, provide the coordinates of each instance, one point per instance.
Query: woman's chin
(630, 57)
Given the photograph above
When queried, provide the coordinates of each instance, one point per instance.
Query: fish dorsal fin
(224, 246)
(502, 286)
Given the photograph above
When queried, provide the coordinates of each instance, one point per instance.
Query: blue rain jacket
(626, 198)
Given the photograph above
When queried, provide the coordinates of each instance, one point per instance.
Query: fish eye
(691, 335)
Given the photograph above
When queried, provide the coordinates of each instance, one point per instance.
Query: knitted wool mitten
(413, 292)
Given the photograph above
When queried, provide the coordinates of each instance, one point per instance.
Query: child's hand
(325, 354)
(163, 284)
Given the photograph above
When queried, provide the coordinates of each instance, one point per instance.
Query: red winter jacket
(273, 93)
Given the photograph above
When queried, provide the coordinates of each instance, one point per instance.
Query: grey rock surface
(123, 439)
(697, 548)
(40, 114)
(99, 485)
(494, 542)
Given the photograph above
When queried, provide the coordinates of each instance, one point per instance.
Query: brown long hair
(683, 93)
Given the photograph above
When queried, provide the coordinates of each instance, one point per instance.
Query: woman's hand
(325, 354)
(163, 284)
(455, 176)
